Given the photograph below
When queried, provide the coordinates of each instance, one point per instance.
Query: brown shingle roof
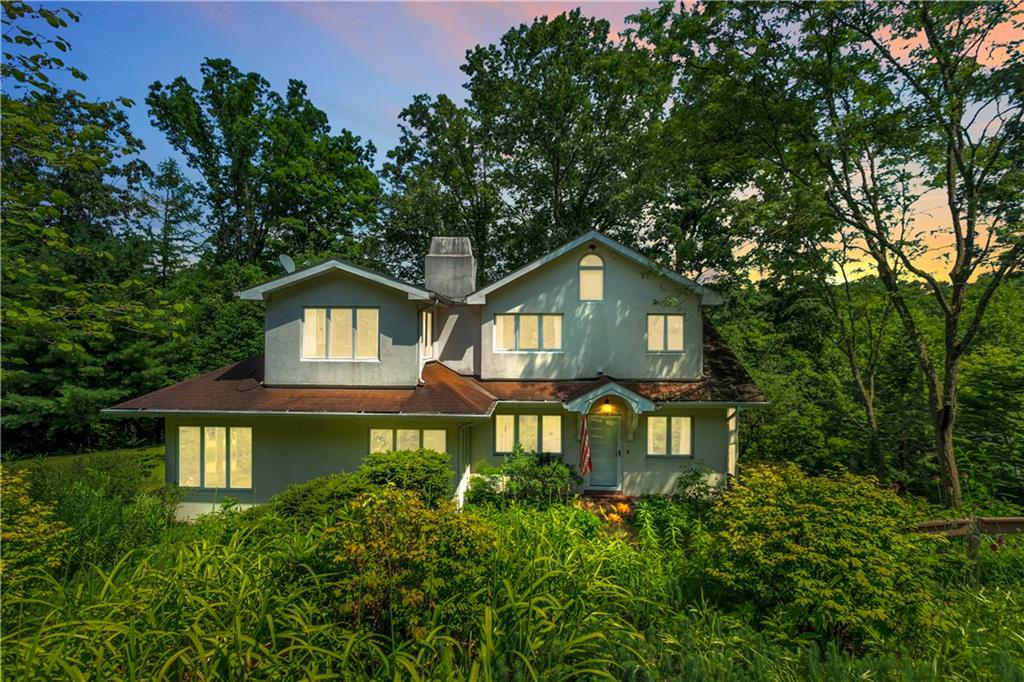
(239, 388)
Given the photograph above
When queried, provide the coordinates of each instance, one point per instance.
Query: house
(355, 361)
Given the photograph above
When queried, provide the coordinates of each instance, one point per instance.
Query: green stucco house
(355, 361)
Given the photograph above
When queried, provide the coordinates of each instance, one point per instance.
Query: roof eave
(263, 291)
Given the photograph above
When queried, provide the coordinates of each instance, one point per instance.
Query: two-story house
(355, 362)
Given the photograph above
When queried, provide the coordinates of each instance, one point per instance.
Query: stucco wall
(458, 337)
(398, 321)
(293, 449)
(641, 474)
(608, 335)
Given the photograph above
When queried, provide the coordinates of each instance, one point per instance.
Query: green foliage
(34, 539)
(398, 566)
(319, 498)
(830, 555)
(527, 478)
(423, 472)
(273, 174)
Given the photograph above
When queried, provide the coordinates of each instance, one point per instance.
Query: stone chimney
(450, 269)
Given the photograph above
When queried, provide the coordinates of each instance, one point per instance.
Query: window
(664, 333)
(591, 278)
(340, 333)
(215, 457)
(527, 332)
(384, 440)
(427, 332)
(535, 433)
(669, 436)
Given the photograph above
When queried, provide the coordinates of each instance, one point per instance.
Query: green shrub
(319, 498)
(828, 555)
(33, 538)
(525, 477)
(124, 475)
(394, 565)
(423, 472)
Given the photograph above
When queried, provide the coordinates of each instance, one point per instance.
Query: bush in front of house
(423, 472)
(828, 555)
(525, 477)
(397, 565)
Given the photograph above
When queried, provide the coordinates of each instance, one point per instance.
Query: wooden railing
(972, 528)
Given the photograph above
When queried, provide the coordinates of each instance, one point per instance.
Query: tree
(79, 325)
(872, 107)
(273, 174)
(558, 136)
(175, 235)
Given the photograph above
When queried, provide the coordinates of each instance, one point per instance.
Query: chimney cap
(451, 246)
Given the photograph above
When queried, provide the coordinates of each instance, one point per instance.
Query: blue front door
(604, 452)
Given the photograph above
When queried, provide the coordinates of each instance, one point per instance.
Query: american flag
(585, 464)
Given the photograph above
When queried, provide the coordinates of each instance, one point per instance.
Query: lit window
(527, 332)
(664, 333)
(215, 457)
(385, 440)
(591, 278)
(340, 333)
(427, 331)
(534, 433)
(669, 436)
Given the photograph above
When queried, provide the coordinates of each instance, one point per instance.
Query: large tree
(876, 110)
(80, 326)
(273, 174)
(558, 135)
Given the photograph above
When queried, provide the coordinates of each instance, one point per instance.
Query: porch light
(606, 408)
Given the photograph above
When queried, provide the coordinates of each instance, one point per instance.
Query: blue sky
(362, 62)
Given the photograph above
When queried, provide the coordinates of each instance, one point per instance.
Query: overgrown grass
(388, 587)
(151, 457)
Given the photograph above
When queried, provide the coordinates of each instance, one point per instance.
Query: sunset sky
(362, 62)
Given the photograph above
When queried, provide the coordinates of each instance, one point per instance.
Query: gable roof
(708, 296)
(261, 292)
(239, 389)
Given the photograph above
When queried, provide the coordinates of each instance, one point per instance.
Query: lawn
(152, 455)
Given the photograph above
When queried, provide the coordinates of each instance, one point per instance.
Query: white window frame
(394, 436)
(664, 333)
(540, 433)
(589, 268)
(227, 456)
(540, 333)
(426, 333)
(327, 333)
(668, 436)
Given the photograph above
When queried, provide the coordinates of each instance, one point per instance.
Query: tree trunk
(943, 424)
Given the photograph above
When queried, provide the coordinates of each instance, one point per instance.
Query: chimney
(450, 269)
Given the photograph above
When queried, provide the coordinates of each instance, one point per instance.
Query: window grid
(545, 430)
(665, 333)
(334, 320)
(546, 328)
(670, 436)
(235, 455)
(388, 440)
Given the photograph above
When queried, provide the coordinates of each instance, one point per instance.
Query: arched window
(591, 278)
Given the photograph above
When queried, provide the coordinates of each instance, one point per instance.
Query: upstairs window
(664, 333)
(215, 457)
(527, 332)
(340, 334)
(591, 278)
(535, 433)
(427, 332)
(669, 436)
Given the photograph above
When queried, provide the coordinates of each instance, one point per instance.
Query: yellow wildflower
(614, 518)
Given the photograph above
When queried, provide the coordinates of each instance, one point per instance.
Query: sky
(362, 62)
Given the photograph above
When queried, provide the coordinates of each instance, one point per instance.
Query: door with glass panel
(604, 453)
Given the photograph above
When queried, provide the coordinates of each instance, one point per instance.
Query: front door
(604, 452)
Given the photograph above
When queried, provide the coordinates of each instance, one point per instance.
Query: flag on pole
(585, 464)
